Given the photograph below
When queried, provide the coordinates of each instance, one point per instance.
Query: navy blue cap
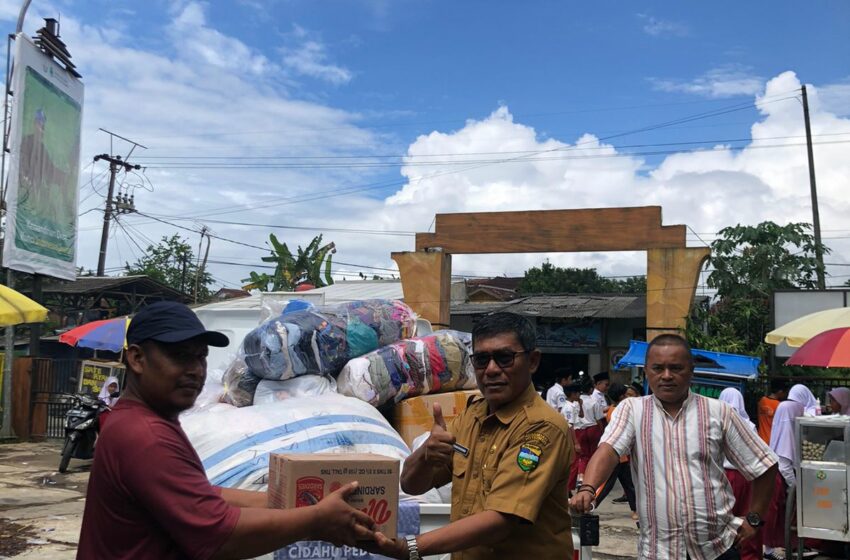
(169, 322)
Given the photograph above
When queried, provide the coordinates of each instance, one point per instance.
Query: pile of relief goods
(309, 379)
(367, 346)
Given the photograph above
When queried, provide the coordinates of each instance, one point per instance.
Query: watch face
(754, 519)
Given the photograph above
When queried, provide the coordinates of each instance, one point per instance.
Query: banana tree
(311, 265)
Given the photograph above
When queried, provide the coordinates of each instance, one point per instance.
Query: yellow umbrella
(16, 308)
(799, 331)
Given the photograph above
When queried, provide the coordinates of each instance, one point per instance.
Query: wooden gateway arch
(672, 269)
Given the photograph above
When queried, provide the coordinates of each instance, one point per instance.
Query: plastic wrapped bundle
(436, 363)
(234, 443)
(321, 342)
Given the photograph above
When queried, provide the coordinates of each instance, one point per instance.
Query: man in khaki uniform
(507, 456)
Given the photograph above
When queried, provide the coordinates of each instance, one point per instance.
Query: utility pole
(814, 190)
(115, 163)
(200, 267)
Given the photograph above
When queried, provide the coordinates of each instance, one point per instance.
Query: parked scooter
(82, 423)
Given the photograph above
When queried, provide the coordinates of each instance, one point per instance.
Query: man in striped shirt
(677, 441)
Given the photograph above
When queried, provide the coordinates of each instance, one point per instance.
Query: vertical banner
(42, 195)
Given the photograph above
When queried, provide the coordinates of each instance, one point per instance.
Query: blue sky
(347, 79)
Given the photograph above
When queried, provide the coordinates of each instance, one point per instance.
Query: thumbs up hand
(438, 446)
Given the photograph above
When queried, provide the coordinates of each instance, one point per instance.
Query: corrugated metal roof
(564, 306)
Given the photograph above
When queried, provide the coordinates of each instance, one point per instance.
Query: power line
(384, 184)
(152, 160)
(455, 120)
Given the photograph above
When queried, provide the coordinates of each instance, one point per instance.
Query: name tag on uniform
(461, 449)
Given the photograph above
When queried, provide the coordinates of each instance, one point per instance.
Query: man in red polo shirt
(148, 495)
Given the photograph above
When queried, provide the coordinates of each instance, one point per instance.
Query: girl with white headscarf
(839, 400)
(783, 442)
(111, 385)
(751, 549)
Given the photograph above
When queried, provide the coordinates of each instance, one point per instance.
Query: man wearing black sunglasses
(507, 456)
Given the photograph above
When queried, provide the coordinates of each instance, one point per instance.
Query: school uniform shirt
(684, 499)
(592, 413)
(518, 464)
(570, 412)
(600, 399)
(555, 396)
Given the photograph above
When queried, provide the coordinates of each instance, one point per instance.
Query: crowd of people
(703, 482)
(589, 403)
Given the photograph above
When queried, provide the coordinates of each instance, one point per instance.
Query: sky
(362, 119)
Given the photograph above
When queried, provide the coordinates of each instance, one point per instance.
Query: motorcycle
(82, 423)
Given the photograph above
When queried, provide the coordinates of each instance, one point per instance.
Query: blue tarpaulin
(706, 362)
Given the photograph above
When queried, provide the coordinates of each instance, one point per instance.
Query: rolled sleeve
(620, 433)
(744, 448)
(521, 491)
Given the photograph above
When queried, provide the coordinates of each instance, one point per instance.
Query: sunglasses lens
(504, 359)
(481, 360)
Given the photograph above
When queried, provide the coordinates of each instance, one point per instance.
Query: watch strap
(412, 548)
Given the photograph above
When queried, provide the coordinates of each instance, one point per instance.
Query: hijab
(105, 395)
(842, 395)
(801, 394)
(782, 436)
(735, 399)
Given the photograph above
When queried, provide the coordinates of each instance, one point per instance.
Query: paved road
(41, 509)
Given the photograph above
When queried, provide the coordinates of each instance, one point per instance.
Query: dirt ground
(41, 509)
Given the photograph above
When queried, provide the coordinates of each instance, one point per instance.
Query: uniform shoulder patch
(528, 457)
(536, 439)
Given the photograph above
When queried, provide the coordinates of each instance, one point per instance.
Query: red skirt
(588, 439)
(774, 523)
(742, 490)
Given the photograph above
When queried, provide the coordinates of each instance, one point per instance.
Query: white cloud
(194, 38)
(706, 189)
(836, 98)
(662, 28)
(309, 57)
(724, 81)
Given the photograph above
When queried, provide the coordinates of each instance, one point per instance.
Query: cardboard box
(303, 479)
(413, 417)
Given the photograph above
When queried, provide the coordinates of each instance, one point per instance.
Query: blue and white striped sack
(234, 443)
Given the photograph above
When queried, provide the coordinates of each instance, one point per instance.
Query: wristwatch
(754, 519)
(412, 548)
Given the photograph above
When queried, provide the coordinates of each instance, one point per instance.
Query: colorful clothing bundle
(314, 341)
(436, 363)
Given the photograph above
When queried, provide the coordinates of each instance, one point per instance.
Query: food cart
(822, 468)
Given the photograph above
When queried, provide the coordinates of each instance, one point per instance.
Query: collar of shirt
(507, 412)
(683, 408)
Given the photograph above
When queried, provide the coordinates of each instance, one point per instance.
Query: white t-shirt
(555, 396)
(592, 413)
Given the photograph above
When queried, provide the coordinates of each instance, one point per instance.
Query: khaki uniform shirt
(518, 463)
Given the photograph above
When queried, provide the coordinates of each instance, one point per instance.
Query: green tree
(550, 279)
(309, 266)
(173, 263)
(748, 264)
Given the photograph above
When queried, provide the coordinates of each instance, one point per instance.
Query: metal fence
(50, 381)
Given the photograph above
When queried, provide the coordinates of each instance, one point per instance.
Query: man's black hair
(616, 391)
(669, 339)
(563, 373)
(777, 385)
(504, 322)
